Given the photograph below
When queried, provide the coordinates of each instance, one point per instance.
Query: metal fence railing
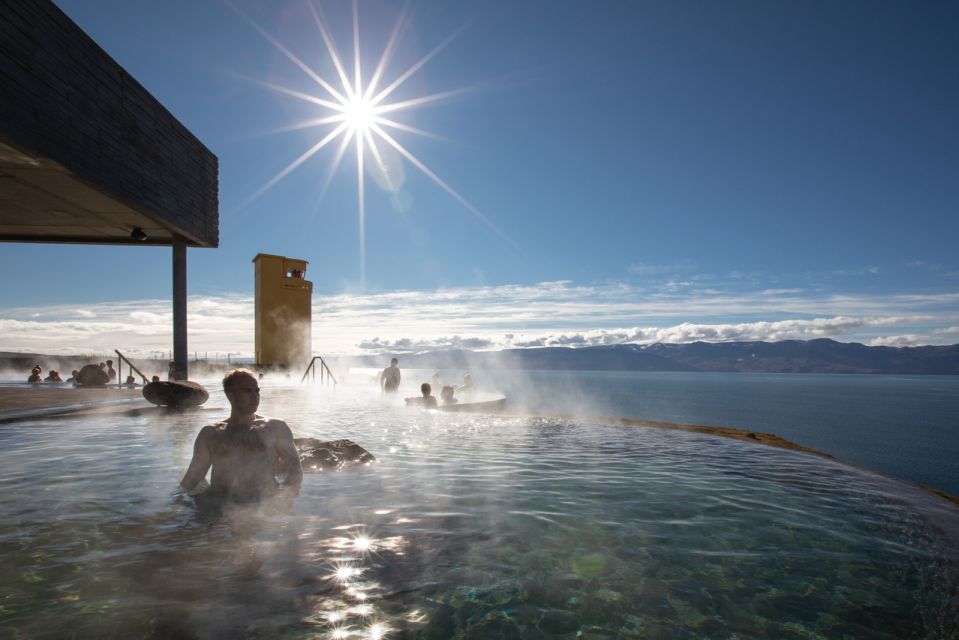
(326, 376)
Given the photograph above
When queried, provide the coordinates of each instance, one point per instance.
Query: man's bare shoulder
(211, 430)
(271, 424)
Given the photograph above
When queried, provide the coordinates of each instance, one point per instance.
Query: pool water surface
(467, 526)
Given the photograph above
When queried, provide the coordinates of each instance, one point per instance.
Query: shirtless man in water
(390, 378)
(247, 451)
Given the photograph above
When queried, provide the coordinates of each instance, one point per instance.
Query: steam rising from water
(563, 526)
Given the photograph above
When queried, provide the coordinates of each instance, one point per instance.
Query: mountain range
(787, 356)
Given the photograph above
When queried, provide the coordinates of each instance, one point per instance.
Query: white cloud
(651, 269)
(692, 332)
(908, 340)
(493, 317)
(847, 273)
(779, 292)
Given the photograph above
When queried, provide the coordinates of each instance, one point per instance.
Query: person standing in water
(247, 451)
(391, 377)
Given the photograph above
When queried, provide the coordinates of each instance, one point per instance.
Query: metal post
(180, 357)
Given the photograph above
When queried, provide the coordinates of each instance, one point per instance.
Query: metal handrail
(324, 370)
(120, 360)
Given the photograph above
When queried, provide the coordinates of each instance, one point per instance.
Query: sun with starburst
(356, 110)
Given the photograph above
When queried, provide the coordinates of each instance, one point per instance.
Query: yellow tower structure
(284, 331)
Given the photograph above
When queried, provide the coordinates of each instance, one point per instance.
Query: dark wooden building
(88, 155)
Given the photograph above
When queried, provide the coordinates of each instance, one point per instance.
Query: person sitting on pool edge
(427, 400)
(247, 451)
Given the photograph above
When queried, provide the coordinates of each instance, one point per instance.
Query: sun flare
(359, 114)
(356, 112)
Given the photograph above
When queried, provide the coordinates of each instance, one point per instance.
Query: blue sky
(654, 171)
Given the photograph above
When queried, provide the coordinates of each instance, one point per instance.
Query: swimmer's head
(242, 390)
(393, 361)
(232, 376)
(425, 389)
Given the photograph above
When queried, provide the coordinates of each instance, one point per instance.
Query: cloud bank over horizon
(545, 314)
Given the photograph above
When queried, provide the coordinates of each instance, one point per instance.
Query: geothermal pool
(467, 526)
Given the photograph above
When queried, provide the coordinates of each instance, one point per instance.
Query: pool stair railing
(120, 360)
(326, 376)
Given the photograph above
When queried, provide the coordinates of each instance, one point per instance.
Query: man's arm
(201, 459)
(289, 457)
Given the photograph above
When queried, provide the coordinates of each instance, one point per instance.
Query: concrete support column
(180, 357)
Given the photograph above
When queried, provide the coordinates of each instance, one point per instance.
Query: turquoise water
(467, 526)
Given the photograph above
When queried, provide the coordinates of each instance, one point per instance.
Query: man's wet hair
(232, 375)
(425, 388)
(394, 361)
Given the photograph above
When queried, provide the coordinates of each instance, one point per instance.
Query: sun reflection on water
(356, 593)
(334, 617)
(345, 572)
(378, 630)
(363, 543)
(364, 610)
(341, 632)
(353, 612)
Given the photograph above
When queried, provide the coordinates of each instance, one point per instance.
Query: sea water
(468, 526)
(903, 426)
